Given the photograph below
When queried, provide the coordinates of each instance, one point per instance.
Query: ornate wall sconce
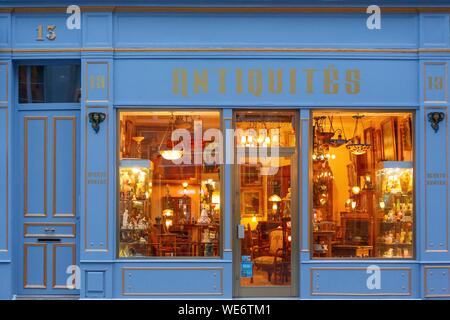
(95, 118)
(434, 118)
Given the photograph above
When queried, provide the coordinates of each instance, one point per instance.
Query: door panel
(266, 208)
(48, 169)
(35, 166)
(35, 266)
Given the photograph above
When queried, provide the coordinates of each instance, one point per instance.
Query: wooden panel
(56, 230)
(4, 180)
(35, 266)
(96, 191)
(64, 167)
(352, 281)
(436, 185)
(35, 166)
(63, 256)
(170, 281)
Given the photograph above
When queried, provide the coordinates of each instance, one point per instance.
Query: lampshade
(215, 197)
(171, 154)
(274, 198)
(168, 212)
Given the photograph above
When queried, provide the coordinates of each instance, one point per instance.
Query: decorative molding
(26, 226)
(254, 9)
(444, 85)
(425, 279)
(312, 293)
(26, 285)
(227, 49)
(85, 124)
(54, 258)
(425, 179)
(220, 293)
(25, 197)
(74, 167)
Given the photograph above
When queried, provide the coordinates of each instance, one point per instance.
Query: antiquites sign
(256, 81)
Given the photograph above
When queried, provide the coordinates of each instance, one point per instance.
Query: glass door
(266, 214)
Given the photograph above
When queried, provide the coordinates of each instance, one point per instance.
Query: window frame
(413, 113)
(45, 105)
(123, 109)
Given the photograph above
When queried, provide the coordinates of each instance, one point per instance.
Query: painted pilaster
(228, 178)
(97, 241)
(5, 159)
(432, 158)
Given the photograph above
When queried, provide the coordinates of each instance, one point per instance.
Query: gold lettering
(251, 82)
(279, 88)
(177, 84)
(353, 78)
(239, 81)
(222, 82)
(310, 80)
(331, 74)
(293, 81)
(201, 81)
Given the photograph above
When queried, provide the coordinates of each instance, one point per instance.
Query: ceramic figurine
(125, 219)
(204, 218)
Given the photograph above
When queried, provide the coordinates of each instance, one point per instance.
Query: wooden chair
(270, 258)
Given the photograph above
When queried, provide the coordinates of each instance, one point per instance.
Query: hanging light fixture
(335, 143)
(170, 153)
(355, 146)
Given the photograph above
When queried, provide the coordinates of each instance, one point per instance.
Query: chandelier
(355, 146)
(170, 153)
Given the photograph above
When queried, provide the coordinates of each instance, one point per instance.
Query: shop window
(362, 185)
(170, 187)
(49, 83)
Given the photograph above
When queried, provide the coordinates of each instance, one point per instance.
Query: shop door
(266, 206)
(48, 190)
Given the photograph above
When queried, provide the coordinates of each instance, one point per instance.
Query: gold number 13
(435, 83)
(51, 33)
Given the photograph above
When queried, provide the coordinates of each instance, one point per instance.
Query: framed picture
(251, 202)
(250, 176)
(370, 154)
(406, 134)
(351, 175)
(377, 146)
(388, 133)
(129, 130)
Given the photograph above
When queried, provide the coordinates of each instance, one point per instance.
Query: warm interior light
(168, 223)
(382, 205)
(185, 184)
(254, 218)
(168, 212)
(171, 154)
(353, 204)
(274, 206)
(274, 198)
(215, 197)
(356, 190)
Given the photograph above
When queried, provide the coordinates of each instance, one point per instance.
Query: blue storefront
(93, 202)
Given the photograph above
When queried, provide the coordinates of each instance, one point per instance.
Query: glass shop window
(170, 184)
(362, 185)
(50, 84)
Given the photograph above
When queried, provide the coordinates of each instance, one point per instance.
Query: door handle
(240, 231)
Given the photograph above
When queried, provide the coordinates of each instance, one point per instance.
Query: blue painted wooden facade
(138, 52)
